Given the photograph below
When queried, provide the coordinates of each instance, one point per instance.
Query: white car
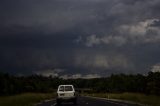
(66, 93)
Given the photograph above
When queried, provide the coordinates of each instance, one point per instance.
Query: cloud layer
(141, 32)
(82, 38)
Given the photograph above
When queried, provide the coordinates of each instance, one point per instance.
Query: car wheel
(75, 101)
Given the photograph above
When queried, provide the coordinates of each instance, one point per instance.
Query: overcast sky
(79, 38)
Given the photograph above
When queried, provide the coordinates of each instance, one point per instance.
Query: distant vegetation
(118, 83)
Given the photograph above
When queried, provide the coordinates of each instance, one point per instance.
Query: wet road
(88, 101)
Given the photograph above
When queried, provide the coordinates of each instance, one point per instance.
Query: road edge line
(43, 101)
(118, 100)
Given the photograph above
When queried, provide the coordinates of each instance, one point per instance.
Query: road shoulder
(117, 101)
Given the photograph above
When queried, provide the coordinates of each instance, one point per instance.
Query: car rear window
(65, 88)
(68, 88)
(61, 88)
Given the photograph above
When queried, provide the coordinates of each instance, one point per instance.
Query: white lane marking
(116, 103)
(54, 104)
(107, 100)
(49, 100)
(45, 102)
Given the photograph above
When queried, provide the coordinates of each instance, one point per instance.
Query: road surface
(88, 101)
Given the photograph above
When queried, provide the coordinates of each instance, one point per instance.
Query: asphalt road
(88, 101)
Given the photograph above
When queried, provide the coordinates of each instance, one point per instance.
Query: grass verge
(26, 99)
(150, 100)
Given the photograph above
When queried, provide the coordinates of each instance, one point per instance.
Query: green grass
(26, 99)
(150, 100)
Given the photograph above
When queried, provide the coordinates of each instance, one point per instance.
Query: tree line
(116, 83)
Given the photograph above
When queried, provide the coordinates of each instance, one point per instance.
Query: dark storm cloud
(86, 38)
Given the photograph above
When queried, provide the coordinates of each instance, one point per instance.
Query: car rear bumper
(66, 99)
